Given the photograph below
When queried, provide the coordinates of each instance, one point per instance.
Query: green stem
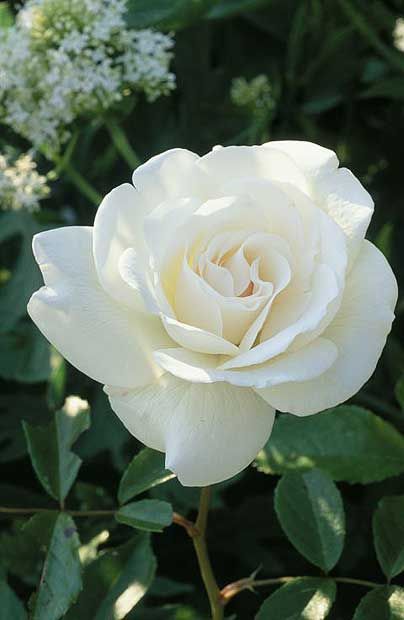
(63, 164)
(232, 589)
(82, 185)
(122, 144)
(201, 550)
(73, 513)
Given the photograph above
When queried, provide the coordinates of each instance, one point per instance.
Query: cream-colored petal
(118, 225)
(161, 226)
(240, 271)
(131, 269)
(108, 342)
(337, 191)
(302, 365)
(209, 432)
(347, 202)
(313, 159)
(197, 339)
(193, 305)
(324, 290)
(216, 276)
(236, 162)
(172, 174)
(359, 330)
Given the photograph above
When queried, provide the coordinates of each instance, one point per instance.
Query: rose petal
(162, 224)
(337, 191)
(209, 433)
(324, 290)
(313, 159)
(194, 305)
(197, 339)
(118, 225)
(236, 162)
(172, 174)
(302, 365)
(108, 342)
(359, 331)
(347, 202)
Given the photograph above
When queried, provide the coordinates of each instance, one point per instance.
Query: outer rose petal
(337, 191)
(359, 331)
(118, 225)
(313, 159)
(109, 343)
(236, 162)
(209, 432)
(171, 174)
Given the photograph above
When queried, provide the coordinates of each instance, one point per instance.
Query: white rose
(215, 290)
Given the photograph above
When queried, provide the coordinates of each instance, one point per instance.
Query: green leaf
(385, 603)
(388, 532)
(106, 434)
(10, 606)
(307, 598)
(60, 581)
(25, 354)
(348, 442)
(310, 510)
(116, 581)
(148, 514)
(228, 8)
(13, 408)
(6, 15)
(25, 275)
(167, 14)
(399, 392)
(49, 447)
(144, 472)
(390, 88)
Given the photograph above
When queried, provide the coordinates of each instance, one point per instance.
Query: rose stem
(201, 550)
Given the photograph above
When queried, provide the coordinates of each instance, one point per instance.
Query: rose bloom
(215, 290)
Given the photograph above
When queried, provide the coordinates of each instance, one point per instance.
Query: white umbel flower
(398, 34)
(66, 59)
(21, 187)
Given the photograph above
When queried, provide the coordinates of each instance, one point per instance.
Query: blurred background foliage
(247, 71)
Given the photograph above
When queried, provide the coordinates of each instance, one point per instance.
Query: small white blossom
(66, 59)
(21, 187)
(255, 93)
(398, 34)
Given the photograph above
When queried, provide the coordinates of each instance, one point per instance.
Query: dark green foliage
(144, 472)
(148, 514)
(10, 606)
(116, 581)
(382, 604)
(49, 448)
(337, 79)
(310, 511)
(388, 531)
(60, 581)
(310, 599)
(349, 443)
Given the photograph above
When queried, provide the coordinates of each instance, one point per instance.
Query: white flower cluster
(398, 34)
(21, 187)
(69, 58)
(255, 94)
